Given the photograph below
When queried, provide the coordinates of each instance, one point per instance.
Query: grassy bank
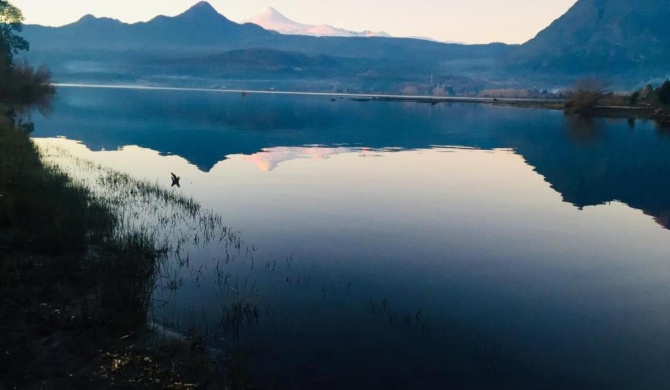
(75, 285)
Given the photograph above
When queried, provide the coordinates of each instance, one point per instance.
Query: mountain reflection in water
(402, 245)
(589, 162)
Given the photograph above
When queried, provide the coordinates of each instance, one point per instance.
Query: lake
(403, 245)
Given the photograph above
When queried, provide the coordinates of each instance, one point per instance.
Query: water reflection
(590, 162)
(269, 159)
(465, 266)
(584, 130)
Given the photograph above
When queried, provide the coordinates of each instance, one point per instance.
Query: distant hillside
(610, 37)
(254, 63)
(202, 48)
(271, 19)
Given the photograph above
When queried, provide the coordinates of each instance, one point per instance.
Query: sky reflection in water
(527, 256)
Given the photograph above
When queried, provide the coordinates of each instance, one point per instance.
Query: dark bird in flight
(175, 180)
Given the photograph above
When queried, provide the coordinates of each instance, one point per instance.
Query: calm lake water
(402, 245)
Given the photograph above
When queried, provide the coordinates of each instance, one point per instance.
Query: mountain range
(201, 25)
(622, 41)
(271, 19)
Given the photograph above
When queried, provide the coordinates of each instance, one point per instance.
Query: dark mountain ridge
(602, 37)
(201, 25)
(202, 28)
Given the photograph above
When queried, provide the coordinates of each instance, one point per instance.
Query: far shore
(639, 112)
(351, 96)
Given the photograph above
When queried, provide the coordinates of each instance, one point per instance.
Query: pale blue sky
(470, 21)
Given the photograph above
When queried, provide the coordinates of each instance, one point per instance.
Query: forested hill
(602, 37)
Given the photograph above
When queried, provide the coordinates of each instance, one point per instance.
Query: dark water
(408, 246)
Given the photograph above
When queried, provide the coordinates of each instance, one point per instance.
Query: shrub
(585, 95)
(24, 88)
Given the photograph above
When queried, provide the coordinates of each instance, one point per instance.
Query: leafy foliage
(11, 19)
(22, 87)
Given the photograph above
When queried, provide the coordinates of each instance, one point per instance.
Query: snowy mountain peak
(271, 19)
(273, 14)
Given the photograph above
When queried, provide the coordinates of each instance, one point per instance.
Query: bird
(175, 180)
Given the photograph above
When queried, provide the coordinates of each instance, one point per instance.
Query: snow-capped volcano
(271, 19)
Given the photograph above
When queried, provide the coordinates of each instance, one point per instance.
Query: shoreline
(352, 96)
(637, 112)
(58, 314)
(73, 294)
(659, 114)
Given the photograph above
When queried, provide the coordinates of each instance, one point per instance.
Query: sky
(467, 21)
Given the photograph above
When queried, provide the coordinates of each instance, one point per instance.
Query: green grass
(41, 209)
(44, 212)
(125, 298)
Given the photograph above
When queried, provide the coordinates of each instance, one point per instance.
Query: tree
(664, 93)
(634, 97)
(22, 87)
(11, 19)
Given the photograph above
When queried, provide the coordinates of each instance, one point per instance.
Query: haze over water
(404, 245)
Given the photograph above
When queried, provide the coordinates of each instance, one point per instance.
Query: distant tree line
(649, 95)
(586, 95)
